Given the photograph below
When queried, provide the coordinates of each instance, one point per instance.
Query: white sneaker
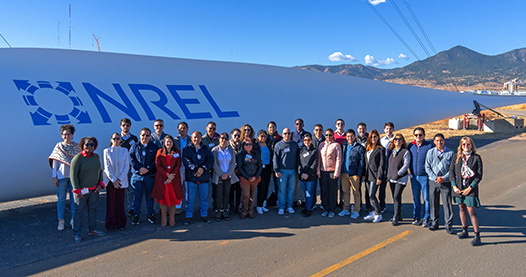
(264, 209)
(281, 211)
(259, 210)
(290, 210)
(370, 216)
(355, 215)
(60, 226)
(377, 218)
(344, 213)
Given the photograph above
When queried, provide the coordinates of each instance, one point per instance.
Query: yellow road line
(360, 255)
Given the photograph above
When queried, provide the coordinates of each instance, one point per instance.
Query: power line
(420, 26)
(392, 29)
(6, 41)
(409, 27)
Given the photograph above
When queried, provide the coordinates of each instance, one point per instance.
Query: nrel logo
(59, 102)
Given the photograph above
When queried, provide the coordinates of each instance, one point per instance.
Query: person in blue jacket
(142, 159)
(419, 177)
(197, 160)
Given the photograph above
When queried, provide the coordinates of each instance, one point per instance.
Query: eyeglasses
(91, 144)
(419, 135)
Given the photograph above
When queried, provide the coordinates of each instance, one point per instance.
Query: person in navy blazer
(142, 157)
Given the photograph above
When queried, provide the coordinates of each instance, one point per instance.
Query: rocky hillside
(454, 69)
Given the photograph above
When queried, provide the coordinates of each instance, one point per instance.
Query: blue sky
(284, 33)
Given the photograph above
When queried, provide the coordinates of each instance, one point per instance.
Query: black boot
(226, 215)
(476, 240)
(218, 215)
(464, 234)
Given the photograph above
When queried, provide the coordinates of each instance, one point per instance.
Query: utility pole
(69, 26)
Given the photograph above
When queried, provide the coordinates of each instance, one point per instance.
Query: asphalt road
(289, 245)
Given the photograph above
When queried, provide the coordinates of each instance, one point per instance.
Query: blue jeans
(143, 185)
(309, 187)
(190, 198)
(286, 185)
(420, 183)
(64, 186)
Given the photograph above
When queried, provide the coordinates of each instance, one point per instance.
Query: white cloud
(377, 2)
(340, 57)
(402, 56)
(370, 60)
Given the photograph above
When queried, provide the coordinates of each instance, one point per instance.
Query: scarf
(465, 171)
(64, 153)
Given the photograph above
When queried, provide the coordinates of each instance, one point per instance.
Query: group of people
(237, 165)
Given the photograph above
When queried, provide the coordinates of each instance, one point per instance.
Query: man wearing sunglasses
(127, 141)
(159, 134)
(419, 178)
(142, 157)
(211, 139)
(285, 165)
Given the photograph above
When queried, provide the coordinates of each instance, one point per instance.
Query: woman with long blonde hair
(374, 172)
(465, 175)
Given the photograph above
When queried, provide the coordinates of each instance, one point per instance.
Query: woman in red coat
(168, 189)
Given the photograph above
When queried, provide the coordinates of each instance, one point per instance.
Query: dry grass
(518, 107)
(442, 126)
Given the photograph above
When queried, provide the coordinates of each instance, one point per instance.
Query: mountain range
(458, 68)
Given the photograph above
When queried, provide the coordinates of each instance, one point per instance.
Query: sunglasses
(286, 133)
(397, 139)
(91, 144)
(339, 123)
(419, 135)
(237, 135)
(116, 138)
(145, 135)
(329, 135)
(212, 128)
(466, 144)
(223, 138)
(158, 126)
(248, 144)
